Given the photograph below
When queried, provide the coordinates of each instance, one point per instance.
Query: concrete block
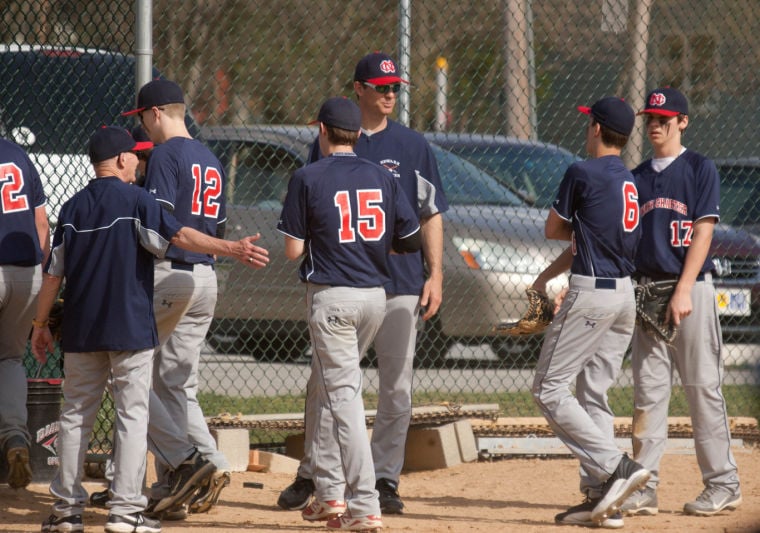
(235, 444)
(468, 448)
(280, 464)
(431, 448)
(294, 445)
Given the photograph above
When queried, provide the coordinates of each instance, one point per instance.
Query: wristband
(39, 323)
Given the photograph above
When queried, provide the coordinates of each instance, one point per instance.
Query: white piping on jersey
(160, 201)
(291, 236)
(410, 233)
(150, 239)
(310, 259)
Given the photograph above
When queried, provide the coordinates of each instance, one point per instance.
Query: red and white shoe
(346, 522)
(317, 510)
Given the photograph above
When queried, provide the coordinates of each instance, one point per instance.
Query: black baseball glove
(536, 319)
(652, 301)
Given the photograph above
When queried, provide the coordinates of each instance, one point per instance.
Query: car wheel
(517, 352)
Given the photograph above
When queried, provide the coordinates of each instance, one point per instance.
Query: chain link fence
(494, 84)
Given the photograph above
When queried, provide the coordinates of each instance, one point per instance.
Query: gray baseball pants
(696, 354)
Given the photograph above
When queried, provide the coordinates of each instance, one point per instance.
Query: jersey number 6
(370, 218)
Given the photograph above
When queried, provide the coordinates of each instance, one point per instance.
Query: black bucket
(43, 405)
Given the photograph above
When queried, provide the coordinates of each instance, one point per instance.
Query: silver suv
(494, 248)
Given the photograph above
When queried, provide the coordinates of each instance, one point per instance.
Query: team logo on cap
(657, 99)
(387, 66)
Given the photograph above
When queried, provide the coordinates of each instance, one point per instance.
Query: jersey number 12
(207, 187)
(12, 180)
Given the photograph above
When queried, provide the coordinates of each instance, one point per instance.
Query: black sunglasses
(384, 89)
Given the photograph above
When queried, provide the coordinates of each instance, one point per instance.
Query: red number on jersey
(678, 227)
(371, 217)
(12, 180)
(210, 186)
(630, 206)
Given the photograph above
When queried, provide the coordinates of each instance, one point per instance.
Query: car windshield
(534, 172)
(739, 188)
(466, 184)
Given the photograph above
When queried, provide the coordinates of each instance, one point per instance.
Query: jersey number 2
(207, 188)
(371, 217)
(12, 180)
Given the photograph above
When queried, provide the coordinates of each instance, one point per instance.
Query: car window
(534, 172)
(466, 184)
(257, 172)
(739, 189)
(50, 94)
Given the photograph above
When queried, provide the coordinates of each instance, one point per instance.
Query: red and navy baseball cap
(379, 69)
(157, 93)
(612, 112)
(340, 112)
(110, 141)
(666, 101)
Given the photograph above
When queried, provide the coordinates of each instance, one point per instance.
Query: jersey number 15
(370, 222)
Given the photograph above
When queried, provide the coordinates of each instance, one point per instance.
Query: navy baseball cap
(110, 141)
(378, 68)
(612, 112)
(666, 101)
(157, 93)
(340, 112)
(139, 135)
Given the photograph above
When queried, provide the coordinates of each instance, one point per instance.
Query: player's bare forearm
(42, 340)
(680, 304)
(43, 231)
(561, 264)
(432, 249)
(243, 250)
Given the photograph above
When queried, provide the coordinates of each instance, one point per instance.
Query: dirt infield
(503, 496)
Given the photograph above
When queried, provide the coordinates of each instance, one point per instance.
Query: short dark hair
(611, 137)
(341, 136)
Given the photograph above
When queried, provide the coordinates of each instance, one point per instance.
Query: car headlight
(497, 257)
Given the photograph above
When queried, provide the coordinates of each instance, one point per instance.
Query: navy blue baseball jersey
(599, 198)
(189, 180)
(408, 156)
(686, 191)
(107, 237)
(347, 209)
(20, 194)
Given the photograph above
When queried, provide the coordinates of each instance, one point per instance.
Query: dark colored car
(531, 169)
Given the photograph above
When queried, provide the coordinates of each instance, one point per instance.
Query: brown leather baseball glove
(652, 300)
(536, 319)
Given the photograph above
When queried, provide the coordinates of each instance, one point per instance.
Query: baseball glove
(536, 319)
(652, 301)
(55, 319)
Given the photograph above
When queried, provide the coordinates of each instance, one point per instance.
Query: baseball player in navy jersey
(189, 181)
(416, 282)
(597, 210)
(345, 213)
(104, 244)
(679, 197)
(24, 244)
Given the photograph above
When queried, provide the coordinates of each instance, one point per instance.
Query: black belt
(666, 277)
(188, 267)
(605, 283)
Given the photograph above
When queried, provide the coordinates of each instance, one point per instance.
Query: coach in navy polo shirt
(104, 245)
